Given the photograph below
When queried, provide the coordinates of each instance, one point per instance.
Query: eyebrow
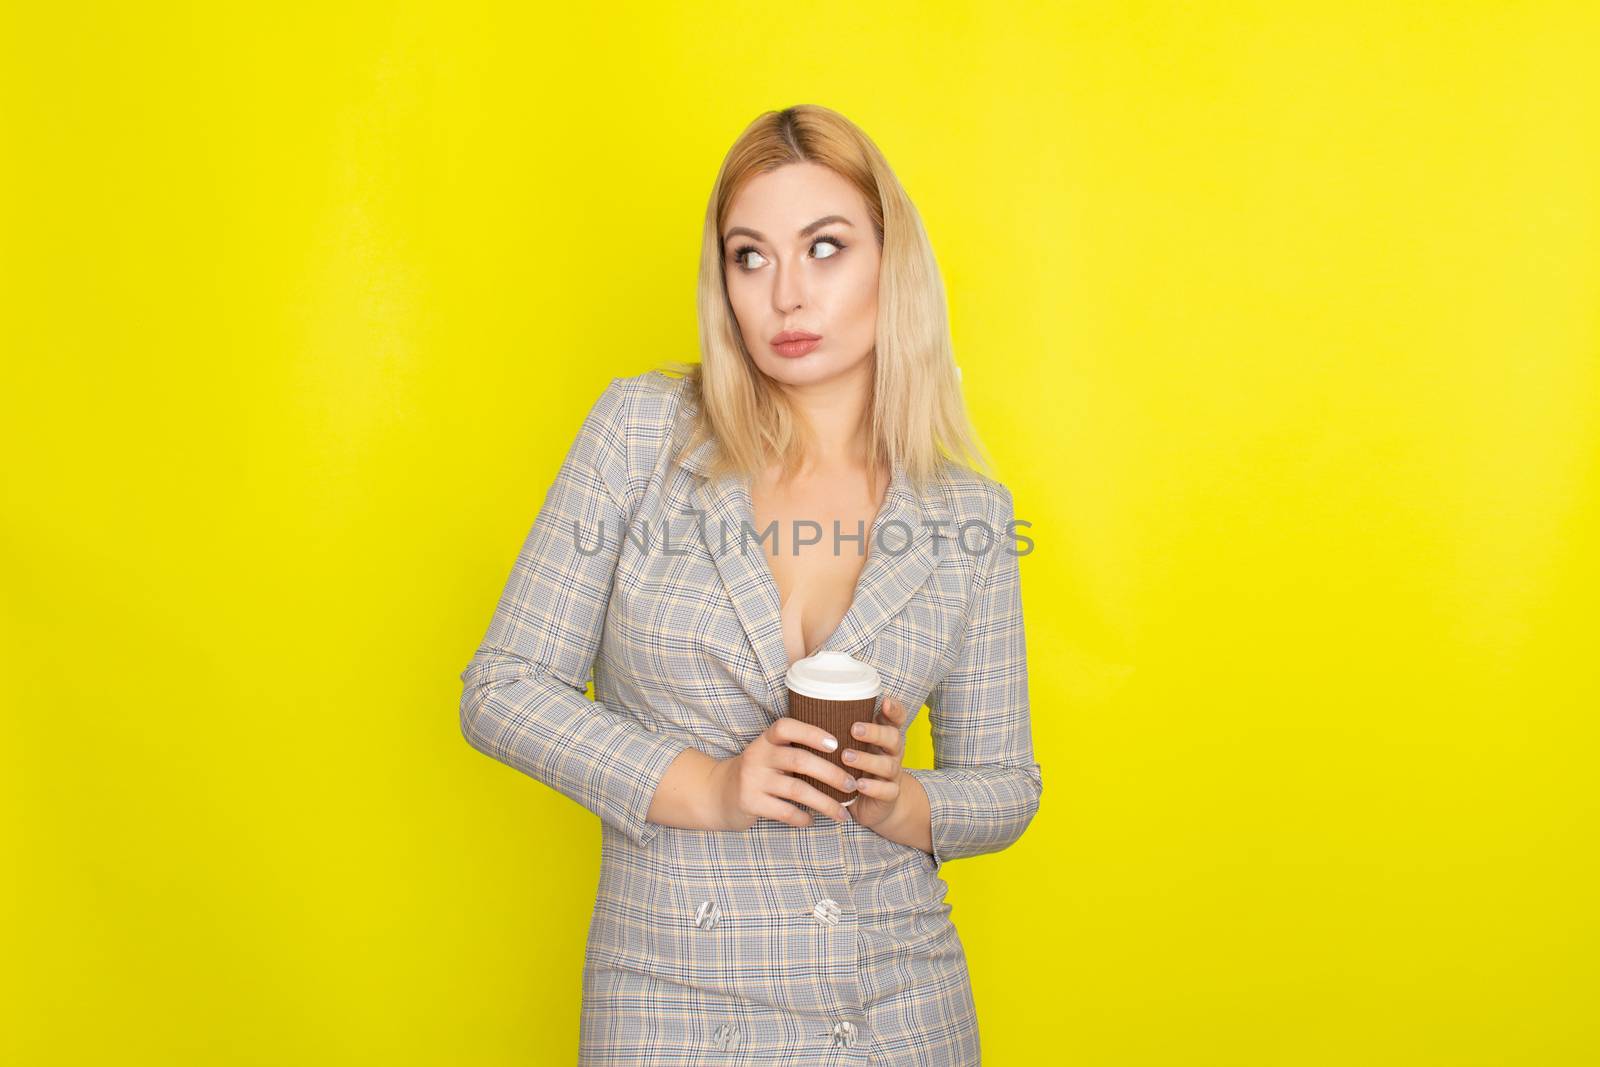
(806, 232)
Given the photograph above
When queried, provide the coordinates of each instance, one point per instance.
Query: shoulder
(643, 401)
(981, 514)
(634, 419)
(972, 495)
(638, 406)
(654, 385)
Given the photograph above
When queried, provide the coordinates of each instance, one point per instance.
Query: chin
(807, 369)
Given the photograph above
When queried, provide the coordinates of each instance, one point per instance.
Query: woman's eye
(748, 250)
(837, 247)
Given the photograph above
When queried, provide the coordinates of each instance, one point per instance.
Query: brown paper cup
(836, 717)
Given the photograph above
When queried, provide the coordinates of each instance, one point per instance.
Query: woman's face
(799, 254)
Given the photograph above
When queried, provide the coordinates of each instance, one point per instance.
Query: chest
(693, 637)
(817, 538)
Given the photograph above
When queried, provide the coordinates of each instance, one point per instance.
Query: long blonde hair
(917, 415)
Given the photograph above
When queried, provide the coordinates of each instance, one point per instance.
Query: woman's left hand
(877, 770)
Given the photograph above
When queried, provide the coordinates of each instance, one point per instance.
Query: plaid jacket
(818, 945)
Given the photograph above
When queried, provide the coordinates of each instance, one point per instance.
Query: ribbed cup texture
(836, 717)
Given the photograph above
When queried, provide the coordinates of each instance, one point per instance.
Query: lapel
(888, 579)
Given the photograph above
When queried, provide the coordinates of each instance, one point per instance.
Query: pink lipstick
(795, 342)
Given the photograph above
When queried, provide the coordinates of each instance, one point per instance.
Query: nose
(788, 288)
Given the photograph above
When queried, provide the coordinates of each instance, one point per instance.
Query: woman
(742, 915)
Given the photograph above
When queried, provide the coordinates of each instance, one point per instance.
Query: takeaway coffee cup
(834, 690)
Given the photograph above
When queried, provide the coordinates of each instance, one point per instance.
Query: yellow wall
(1280, 320)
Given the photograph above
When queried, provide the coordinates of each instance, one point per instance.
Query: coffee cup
(834, 690)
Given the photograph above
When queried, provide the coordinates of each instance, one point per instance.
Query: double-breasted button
(725, 1036)
(844, 1032)
(707, 914)
(827, 911)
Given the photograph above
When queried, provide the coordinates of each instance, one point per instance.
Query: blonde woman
(741, 912)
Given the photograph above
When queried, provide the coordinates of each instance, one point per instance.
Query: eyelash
(739, 254)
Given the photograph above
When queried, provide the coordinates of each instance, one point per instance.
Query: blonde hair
(917, 415)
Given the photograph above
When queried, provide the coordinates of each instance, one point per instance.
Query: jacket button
(844, 1032)
(707, 914)
(827, 911)
(725, 1036)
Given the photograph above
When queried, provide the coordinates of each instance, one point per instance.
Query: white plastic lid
(833, 676)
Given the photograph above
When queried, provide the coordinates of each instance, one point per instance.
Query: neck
(835, 412)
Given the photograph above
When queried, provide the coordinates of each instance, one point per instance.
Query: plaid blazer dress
(828, 944)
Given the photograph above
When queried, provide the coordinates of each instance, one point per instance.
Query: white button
(725, 1036)
(844, 1032)
(827, 911)
(707, 914)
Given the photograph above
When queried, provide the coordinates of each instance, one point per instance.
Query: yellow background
(1281, 320)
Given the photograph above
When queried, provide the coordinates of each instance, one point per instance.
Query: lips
(795, 335)
(795, 342)
(791, 349)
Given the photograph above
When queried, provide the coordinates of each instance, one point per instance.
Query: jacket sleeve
(985, 786)
(523, 700)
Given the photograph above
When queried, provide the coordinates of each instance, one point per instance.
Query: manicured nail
(849, 783)
(832, 742)
(859, 729)
(849, 755)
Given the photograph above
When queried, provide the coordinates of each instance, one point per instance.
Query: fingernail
(832, 742)
(849, 783)
(859, 730)
(849, 755)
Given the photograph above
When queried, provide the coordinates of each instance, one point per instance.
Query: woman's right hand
(760, 782)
